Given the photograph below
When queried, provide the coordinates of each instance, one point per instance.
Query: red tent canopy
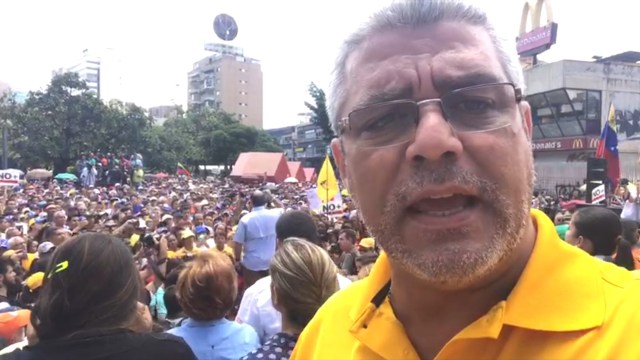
(296, 170)
(273, 166)
(309, 174)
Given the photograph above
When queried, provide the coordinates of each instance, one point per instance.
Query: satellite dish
(225, 27)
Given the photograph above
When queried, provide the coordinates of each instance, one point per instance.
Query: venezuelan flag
(182, 170)
(608, 148)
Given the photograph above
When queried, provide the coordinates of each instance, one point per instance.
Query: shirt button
(406, 352)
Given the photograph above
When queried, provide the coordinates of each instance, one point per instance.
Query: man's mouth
(443, 205)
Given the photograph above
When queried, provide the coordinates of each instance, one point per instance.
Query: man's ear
(525, 112)
(338, 155)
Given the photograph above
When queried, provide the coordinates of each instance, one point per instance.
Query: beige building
(229, 81)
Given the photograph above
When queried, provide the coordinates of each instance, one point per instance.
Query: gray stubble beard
(452, 265)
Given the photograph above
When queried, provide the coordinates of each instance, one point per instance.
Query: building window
(243, 81)
(593, 116)
(242, 104)
(310, 134)
(243, 93)
(208, 83)
(242, 70)
(564, 113)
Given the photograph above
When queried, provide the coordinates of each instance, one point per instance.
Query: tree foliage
(53, 127)
(319, 114)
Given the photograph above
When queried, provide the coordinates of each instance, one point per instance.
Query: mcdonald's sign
(564, 144)
(540, 38)
(577, 143)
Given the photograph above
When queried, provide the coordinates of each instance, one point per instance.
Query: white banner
(598, 194)
(9, 177)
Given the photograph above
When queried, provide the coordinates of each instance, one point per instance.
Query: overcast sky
(296, 40)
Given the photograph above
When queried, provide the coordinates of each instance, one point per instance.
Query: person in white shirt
(256, 308)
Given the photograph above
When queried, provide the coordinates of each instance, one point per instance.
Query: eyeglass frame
(345, 121)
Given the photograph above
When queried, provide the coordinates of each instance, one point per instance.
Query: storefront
(570, 101)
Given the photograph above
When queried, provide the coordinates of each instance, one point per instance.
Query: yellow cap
(368, 243)
(35, 280)
(186, 234)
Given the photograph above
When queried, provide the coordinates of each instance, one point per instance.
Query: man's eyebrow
(375, 97)
(448, 83)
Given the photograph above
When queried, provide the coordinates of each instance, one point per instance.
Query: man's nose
(434, 137)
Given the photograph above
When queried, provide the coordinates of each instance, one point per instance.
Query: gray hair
(413, 14)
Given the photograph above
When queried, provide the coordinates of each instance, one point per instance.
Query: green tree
(319, 114)
(125, 126)
(55, 126)
(8, 108)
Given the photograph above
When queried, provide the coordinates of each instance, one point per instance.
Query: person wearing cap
(30, 290)
(367, 245)
(188, 249)
(19, 245)
(202, 235)
(45, 252)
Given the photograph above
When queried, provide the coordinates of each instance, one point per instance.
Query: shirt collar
(560, 288)
(257, 208)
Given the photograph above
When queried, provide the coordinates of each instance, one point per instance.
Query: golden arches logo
(534, 13)
(577, 144)
(593, 143)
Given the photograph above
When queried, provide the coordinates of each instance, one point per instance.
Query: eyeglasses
(471, 109)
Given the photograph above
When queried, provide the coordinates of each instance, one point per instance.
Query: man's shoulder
(344, 306)
(329, 330)
(621, 287)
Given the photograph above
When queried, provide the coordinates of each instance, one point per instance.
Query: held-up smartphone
(24, 229)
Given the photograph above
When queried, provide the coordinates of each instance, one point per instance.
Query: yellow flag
(327, 182)
(612, 117)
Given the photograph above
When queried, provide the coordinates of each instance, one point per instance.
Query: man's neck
(444, 313)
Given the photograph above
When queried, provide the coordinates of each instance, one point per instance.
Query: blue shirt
(218, 339)
(157, 304)
(257, 233)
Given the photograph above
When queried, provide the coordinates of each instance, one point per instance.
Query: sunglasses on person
(472, 109)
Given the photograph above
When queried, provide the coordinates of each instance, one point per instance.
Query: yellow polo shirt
(566, 305)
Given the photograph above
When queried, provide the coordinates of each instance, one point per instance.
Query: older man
(434, 145)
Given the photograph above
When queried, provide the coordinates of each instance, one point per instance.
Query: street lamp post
(5, 147)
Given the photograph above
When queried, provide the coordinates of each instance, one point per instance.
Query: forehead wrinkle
(390, 79)
(457, 68)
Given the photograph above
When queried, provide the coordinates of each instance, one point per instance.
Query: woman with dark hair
(89, 307)
(598, 231)
(630, 233)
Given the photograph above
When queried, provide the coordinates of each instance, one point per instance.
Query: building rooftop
(625, 57)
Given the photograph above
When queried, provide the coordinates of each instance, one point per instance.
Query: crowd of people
(98, 169)
(433, 143)
(204, 250)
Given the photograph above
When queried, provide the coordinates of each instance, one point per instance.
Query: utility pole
(5, 147)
